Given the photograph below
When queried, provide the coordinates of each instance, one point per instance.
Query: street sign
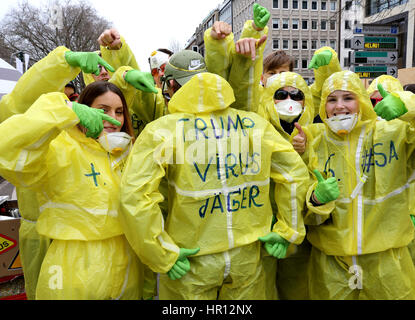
(374, 57)
(363, 42)
(376, 29)
(375, 71)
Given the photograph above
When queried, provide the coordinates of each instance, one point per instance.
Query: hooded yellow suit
(291, 273)
(218, 198)
(76, 182)
(360, 240)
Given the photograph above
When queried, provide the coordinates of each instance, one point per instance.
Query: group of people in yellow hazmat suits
(228, 175)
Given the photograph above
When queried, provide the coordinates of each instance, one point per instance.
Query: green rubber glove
(275, 245)
(87, 61)
(141, 80)
(261, 16)
(91, 119)
(391, 106)
(182, 265)
(413, 219)
(320, 59)
(326, 190)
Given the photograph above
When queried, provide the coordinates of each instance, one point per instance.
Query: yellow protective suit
(363, 235)
(290, 276)
(218, 161)
(240, 71)
(77, 185)
(50, 74)
(392, 84)
(321, 74)
(143, 108)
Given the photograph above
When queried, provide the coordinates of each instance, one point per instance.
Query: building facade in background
(300, 27)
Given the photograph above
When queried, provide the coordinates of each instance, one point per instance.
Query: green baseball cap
(183, 65)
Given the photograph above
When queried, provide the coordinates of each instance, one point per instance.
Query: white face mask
(114, 142)
(343, 123)
(288, 110)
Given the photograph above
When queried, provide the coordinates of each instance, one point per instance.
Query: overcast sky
(146, 25)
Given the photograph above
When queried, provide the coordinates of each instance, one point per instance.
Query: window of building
(295, 4)
(313, 5)
(348, 5)
(295, 64)
(323, 5)
(323, 25)
(285, 44)
(295, 24)
(304, 24)
(313, 44)
(285, 4)
(314, 24)
(275, 44)
(333, 5)
(305, 4)
(304, 44)
(333, 44)
(375, 6)
(275, 4)
(295, 44)
(347, 43)
(304, 63)
(323, 43)
(285, 23)
(332, 25)
(275, 23)
(347, 24)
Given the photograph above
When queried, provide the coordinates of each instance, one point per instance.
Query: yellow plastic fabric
(287, 79)
(245, 279)
(292, 271)
(51, 73)
(240, 71)
(388, 83)
(199, 213)
(321, 74)
(374, 218)
(77, 185)
(386, 275)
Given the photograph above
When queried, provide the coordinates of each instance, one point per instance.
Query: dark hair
(409, 87)
(277, 59)
(71, 85)
(98, 88)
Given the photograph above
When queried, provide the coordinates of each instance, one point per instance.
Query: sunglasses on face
(375, 101)
(296, 95)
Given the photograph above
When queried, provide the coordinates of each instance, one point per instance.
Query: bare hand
(247, 46)
(300, 140)
(220, 30)
(110, 38)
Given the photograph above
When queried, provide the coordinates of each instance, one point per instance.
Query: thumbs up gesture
(300, 140)
(391, 106)
(326, 190)
(182, 265)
